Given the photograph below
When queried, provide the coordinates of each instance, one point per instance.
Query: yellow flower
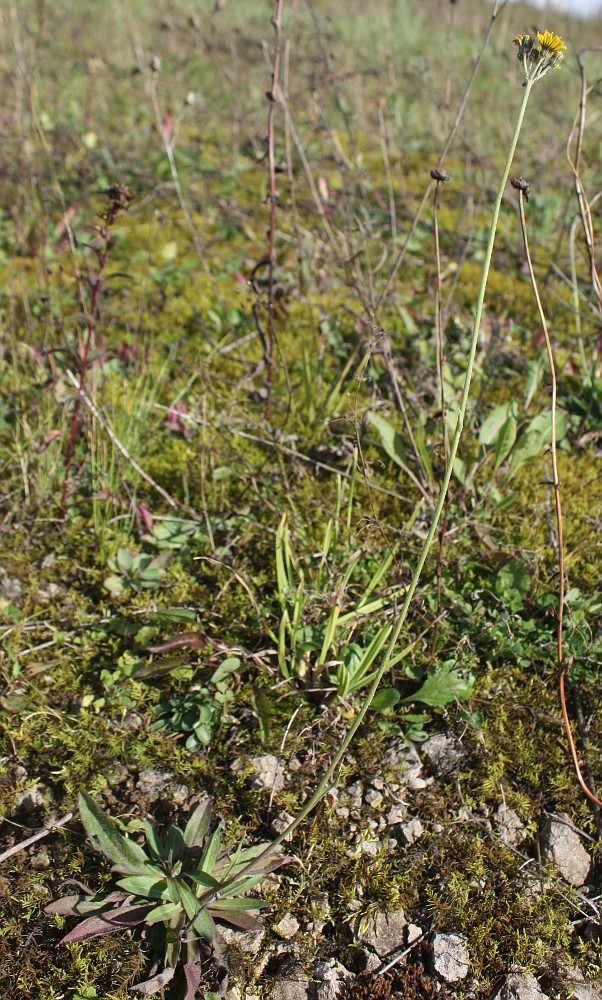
(540, 56)
(551, 42)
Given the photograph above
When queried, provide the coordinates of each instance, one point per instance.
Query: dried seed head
(439, 174)
(520, 184)
(190, 98)
(119, 197)
(155, 64)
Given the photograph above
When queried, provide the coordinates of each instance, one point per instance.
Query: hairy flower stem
(328, 781)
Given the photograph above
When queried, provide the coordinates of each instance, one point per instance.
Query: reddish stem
(103, 256)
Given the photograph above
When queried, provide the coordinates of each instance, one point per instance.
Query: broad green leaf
(389, 438)
(172, 615)
(536, 436)
(535, 372)
(460, 470)
(408, 320)
(204, 880)
(225, 668)
(211, 851)
(505, 441)
(189, 900)
(238, 903)
(198, 824)
(542, 424)
(175, 846)
(125, 853)
(115, 585)
(243, 885)
(264, 709)
(124, 561)
(385, 698)
(163, 913)
(153, 839)
(443, 687)
(205, 925)
(514, 577)
(492, 425)
(143, 885)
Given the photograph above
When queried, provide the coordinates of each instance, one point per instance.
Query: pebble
(293, 985)
(404, 766)
(10, 588)
(520, 986)
(153, 783)
(248, 942)
(287, 927)
(268, 772)
(561, 845)
(443, 754)
(280, 822)
(508, 825)
(411, 832)
(383, 932)
(449, 956)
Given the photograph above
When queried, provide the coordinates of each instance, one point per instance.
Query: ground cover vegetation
(238, 302)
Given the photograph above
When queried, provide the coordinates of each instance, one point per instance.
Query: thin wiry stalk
(91, 315)
(585, 371)
(387, 166)
(439, 178)
(460, 113)
(272, 197)
(450, 63)
(575, 164)
(82, 397)
(168, 146)
(562, 663)
(329, 780)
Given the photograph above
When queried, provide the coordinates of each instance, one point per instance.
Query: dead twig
(498, 5)
(10, 851)
(83, 396)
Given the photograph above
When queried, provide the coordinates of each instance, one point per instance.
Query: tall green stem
(327, 780)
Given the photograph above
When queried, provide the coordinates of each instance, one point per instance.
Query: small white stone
(287, 927)
(412, 831)
(371, 848)
(449, 956)
(561, 845)
(509, 825)
(520, 986)
(383, 932)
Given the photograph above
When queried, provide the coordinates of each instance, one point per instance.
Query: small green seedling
(136, 572)
(202, 709)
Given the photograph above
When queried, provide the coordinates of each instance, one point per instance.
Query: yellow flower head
(541, 55)
(551, 43)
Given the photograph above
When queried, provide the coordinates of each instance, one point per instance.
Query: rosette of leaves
(171, 893)
(201, 710)
(135, 571)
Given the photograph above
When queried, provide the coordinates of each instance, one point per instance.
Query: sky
(585, 8)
